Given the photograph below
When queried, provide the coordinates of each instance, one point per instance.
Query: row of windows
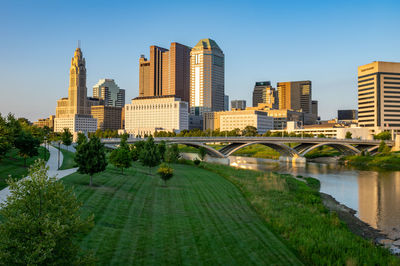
(391, 97)
(365, 107)
(366, 102)
(393, 110)
(395, 92)
(391, 78)
(151, 106)
(366, 84)
(369, 111)
(394, 83)
(360, 81)
(361, 116)
(367, 120)
(366, 93)
(391, 101)
(366, 98)
(392, 119)
(365, 89)
(390, 87)
(388, 105)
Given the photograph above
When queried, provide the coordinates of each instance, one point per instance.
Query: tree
(5, 140)
(172, 153)
(66, 137)
(249, 131)
(321, 135)
(149, 154)
(91, 158)
(41, 222)
(165, 172)
(383, 148)
(81, 139)
(121, 157)
(202, 153)
(27, 145)
(161, 148)
(385, 135)
(348, 135)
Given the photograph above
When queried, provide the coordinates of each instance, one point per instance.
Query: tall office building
(108, 91)
(166, 73)
(347, 115)
(74, 112)
(238, 104)
(207, 87)
(226, 103)
(314, 108)
(379, 96)
(295, 95)
(263, 93)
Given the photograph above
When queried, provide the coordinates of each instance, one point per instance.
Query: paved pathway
(52, 163)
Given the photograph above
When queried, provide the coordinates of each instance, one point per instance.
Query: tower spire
(79, 44)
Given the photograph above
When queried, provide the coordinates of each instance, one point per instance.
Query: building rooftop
(207, 44)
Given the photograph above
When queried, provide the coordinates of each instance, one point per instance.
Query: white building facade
(240, 119)
(77, 123)
(146, 115)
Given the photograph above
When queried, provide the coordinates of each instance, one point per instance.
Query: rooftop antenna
(79, 44)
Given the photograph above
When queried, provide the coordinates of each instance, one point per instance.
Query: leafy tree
(81, 139)
(66, 137)
(348, 135)
(5, 140)
(385, 135)
(321, 135)
(161, 148)
(202, 153)
(383, 148)
(91, 157)
(27, 145)
(124, 141)
(249, 131)
(149, 155)
(121, 158)
(41, 221)
(172, 153)
(165, 172)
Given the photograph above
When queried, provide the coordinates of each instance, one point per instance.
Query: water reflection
(374, 195)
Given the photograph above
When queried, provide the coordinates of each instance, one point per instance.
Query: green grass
(258, 151)
(200, 218)
(323, 151)
(389, 161)
(68, 160)
(12, 164)
(296, 212)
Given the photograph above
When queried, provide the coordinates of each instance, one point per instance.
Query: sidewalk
(52, 163)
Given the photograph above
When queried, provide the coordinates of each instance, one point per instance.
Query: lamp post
(59, 144)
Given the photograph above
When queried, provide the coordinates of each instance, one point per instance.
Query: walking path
(52, 163)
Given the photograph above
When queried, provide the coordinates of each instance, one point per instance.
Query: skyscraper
(295, 95)
(109, 92)
(226, 103)
(263, 93)
(74, 112)
(77, 91)
(378, 96)
(166, 73)
(207, 68)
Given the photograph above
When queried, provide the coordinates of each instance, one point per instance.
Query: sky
(321, 41)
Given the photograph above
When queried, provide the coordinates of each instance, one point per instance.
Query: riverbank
(297, 212)
(386, 162)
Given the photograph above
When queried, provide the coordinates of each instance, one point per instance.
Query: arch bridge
(282, 145)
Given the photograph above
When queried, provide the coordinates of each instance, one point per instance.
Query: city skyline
(327, 49)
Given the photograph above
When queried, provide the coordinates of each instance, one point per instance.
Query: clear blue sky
(321, 41)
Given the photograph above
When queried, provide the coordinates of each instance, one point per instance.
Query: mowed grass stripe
(200, 218)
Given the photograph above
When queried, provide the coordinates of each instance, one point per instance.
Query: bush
(165, 172)
(196, 161)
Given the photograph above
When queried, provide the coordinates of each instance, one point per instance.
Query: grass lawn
(295, 211)
(68, 160)
(13, 165)
(200, 218)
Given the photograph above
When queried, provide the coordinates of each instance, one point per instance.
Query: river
(374, 195)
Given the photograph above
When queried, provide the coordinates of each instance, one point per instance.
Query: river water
(374, 195)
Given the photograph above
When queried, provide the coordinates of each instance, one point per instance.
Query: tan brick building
(108, 117)
(295, 95)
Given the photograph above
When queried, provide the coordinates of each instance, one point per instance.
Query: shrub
(196, 161)
(165, 172)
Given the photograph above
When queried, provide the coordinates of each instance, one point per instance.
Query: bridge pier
(396, 146)
(294, 160)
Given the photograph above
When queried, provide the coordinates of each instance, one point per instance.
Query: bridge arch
(341, 147)
(209, 150)
(279, 147)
